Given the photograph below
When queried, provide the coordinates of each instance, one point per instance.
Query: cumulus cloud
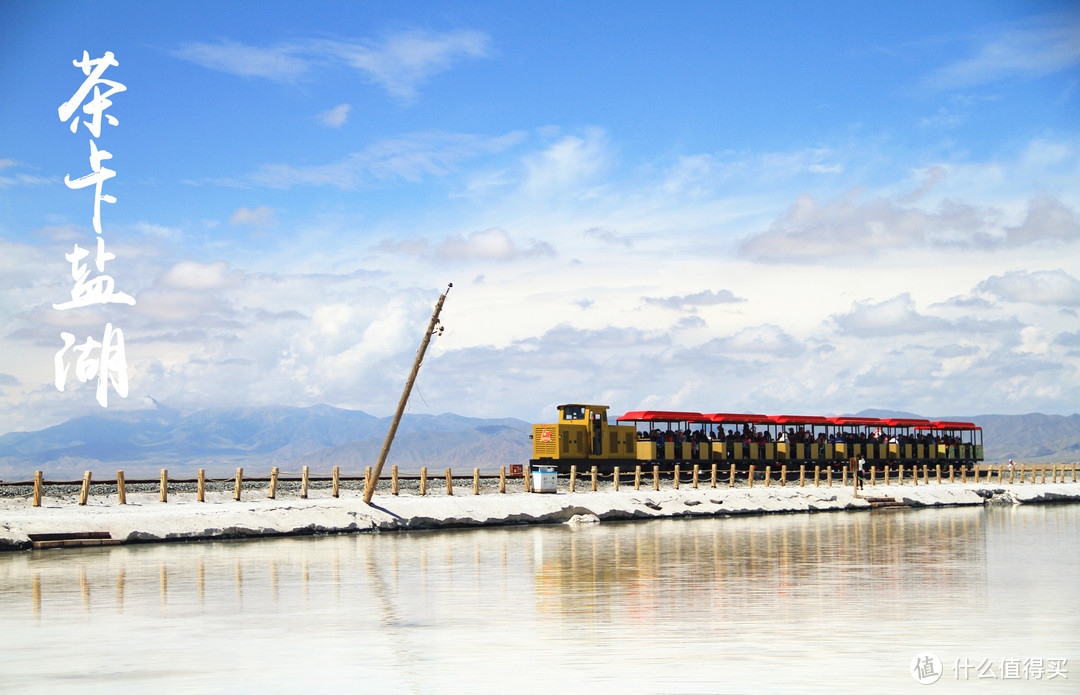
(335, 117)
(489, 244)
(759, 341)
(398, 63)
(1047, 219)
(190, 275)
(690, 302)
(892, 317)
(1048, 287)
(811, 231)
(261, 216)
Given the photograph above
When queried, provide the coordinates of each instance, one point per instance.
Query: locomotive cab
(582, 433)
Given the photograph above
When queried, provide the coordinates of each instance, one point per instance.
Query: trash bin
(545, 479)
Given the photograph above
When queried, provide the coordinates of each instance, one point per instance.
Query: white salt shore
(145, 519)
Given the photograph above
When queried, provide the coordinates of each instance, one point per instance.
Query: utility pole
(432, 329)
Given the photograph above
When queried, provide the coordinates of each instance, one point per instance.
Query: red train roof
(750, 418)
(950, 425)
(907, 422)
(661, 416)
(801, 420)
(868, 421)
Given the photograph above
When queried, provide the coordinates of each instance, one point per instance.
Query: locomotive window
(574, 412)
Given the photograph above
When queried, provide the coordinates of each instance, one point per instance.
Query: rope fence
(695, 476)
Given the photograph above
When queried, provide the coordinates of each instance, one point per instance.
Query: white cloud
(411, 158)
(849, 226)
(892, 317)
(1046, 220)
(489, 244)
(401, 62)
(1052, 287)
(568, 166)
(1049, 45)
(335, 117)
(281, 63)
(261, 216)
(190, 275)
(690, 302)
(398, 63)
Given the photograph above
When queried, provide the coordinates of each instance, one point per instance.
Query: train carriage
(584, 437)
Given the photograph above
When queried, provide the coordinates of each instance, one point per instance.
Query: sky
(774, 207)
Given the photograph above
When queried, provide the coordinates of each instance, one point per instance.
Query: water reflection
(710, 604)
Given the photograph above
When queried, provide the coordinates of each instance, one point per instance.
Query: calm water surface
(796, 603)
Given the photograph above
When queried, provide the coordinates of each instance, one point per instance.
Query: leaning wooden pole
(369, 485)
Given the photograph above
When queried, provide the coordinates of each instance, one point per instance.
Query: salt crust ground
(146, 519)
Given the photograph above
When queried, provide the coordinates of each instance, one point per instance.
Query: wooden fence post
(449, 484)
(802, 475)
(476, 481)
(368, 480)
(676, 476)
(273, 483)
(938, 469)
(783, 474)
(164, 485)
(817, 475)
(121, 488)
(843, 476)
(926, 474)
(714, 475)
(201, 486)
(239, 483)
(750, 477)
(573, 478)
(637, 477)
(768, 476)
(85, 492)
(594, 474)
(616, 478)
(335, 485)
(952, 474)
(656, 477)
(828, 476)
(697, 470)
(502, 479)
(423, 481)
(731, 478)
(38, 482)
(304, 482)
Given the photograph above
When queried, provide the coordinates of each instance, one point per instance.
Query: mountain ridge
(141, 442)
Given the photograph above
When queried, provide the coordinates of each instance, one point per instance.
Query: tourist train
(584, 437)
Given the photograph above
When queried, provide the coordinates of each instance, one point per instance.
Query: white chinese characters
(106, 359)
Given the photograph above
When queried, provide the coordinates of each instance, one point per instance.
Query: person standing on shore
(859, 473)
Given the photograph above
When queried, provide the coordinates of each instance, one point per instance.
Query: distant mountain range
(142, 442)
(257, 439)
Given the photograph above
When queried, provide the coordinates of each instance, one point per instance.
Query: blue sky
(775, 207)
